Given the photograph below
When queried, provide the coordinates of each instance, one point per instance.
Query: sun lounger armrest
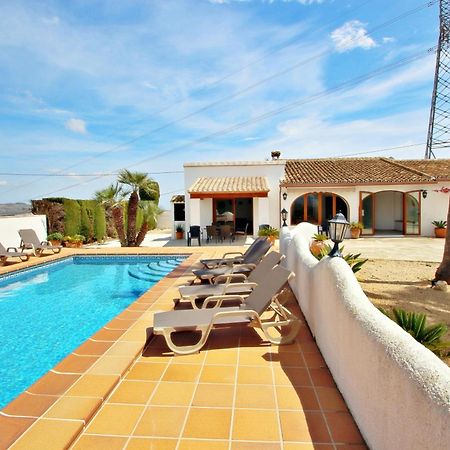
(227, 278)
(232, 253)
(248, 285)
(13, 249)
(217, 300)
(245, 266)
(45, 243)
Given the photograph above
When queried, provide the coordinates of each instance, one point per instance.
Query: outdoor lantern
(284, 214)
(284, 195)
(424, 193)
(337, 228)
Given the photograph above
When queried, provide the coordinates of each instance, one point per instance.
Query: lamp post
(284, 214)
(338, 226)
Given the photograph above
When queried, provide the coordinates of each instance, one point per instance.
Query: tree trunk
(132, 213)
(118, 222)
(141, 234)
(443, 271)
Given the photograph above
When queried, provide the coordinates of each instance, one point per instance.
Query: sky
(89, 87)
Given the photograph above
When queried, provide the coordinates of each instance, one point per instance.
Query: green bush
(415, 324)
(353, 260)
(99, 222)
(269, 231)
(85, 223)
(72, 218)
(56, 236)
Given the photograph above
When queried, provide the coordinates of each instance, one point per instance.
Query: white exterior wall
(434, 207)
(9, 227)
(272, 170)
(397, 391)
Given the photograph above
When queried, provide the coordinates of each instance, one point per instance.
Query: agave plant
(415, 324)
(353, 260)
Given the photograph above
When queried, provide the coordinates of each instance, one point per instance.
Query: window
(178, 212)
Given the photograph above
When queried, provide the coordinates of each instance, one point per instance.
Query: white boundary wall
(398, 392)
(10, 225)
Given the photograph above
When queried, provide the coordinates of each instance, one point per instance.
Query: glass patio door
(411, 212)
(367, 212)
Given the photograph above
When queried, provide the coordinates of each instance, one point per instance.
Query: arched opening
(317, 208)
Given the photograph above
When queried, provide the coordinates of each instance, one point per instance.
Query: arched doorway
(317, 208)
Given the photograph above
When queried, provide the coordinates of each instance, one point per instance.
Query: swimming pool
(48, 311)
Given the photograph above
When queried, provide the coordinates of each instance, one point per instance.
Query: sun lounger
(260, 249)
(262, 299)
(227, 259)
(12, 252)
(233, 283)
(30, 240)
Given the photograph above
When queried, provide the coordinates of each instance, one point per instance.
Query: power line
(237, 93)
(340, 87)
(74, 175)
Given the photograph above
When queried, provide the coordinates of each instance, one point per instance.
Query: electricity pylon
(439, 125)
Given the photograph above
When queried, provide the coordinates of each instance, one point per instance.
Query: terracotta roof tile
(204, 185)
(343, 171)
(177, 199)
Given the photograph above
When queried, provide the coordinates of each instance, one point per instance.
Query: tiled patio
(238, 393)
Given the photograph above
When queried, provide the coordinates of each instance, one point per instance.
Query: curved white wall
(397, 391)
(10, 225)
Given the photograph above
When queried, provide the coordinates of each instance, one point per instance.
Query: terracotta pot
(316, 247)
(355, 233)
(440, 232)
(272, 240)
(179, 234)
(55, 242)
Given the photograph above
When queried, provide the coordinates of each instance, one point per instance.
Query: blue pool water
(46, 312)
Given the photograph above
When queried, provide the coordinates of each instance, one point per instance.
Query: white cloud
(3, 182)
(54, 20)
(76, 125)
(352, 34)
(388, 40)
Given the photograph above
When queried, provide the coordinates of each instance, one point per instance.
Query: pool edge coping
(102, 354)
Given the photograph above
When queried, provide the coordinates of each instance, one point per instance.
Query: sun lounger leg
(186, 349)
(282, 339)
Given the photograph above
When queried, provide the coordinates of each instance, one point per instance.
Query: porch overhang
(229, 187)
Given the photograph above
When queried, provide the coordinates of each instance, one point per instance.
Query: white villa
(388, 196)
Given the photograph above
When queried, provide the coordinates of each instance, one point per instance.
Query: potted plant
(179, 231)
(55, 238)
(440, 229)
(74, 241)
(318, 243)
(271, 232)
(355, 229)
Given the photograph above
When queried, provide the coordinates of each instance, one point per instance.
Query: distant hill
(14, 209)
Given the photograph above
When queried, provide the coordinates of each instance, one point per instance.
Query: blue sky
(90, 87)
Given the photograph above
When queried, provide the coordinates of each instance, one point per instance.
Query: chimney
(275, 155)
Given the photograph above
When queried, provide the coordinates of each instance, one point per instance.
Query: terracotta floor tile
(53, 384)
(254, 375)
(314, 360)
(258, 357)
(173, 394)
(254, 425)
(93, 386)
(291, 376)
(135, 334)
(248, 396)
(115, 419)
(207, 423)
(11, 428)
(288, 359)
(218, 374)
(49, 434)
(104, 334)
(92, 348)
(331, 399)
(151, 444)
(126, 349)
(75, 364)
(298, 397)
(304, 427)
(343, 428)
(119, 324)
(309, 446)
(222, 357)
(182, 372)
(255, 446)
(196, 358)
(133, 392)
(214, 395)
(146, 372)
(161, 421)
(192, 444)
(322, 377)
(79, 408)
(91, 442)
(29, 405)
(309, 347)
(110, 365)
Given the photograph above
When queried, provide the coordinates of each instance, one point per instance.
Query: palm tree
(111, 198)
(151, 213)
(443, 271)
(137, 181)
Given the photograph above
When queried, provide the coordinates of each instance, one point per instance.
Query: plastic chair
(194, 233)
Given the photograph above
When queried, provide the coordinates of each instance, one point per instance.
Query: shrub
(439, 223)
(353, 260)
(269, 231)
(415, 324)
(320, 237)
(56, 236)
(72, 220)
(99, 222)
(85, 223)
(357, 225)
